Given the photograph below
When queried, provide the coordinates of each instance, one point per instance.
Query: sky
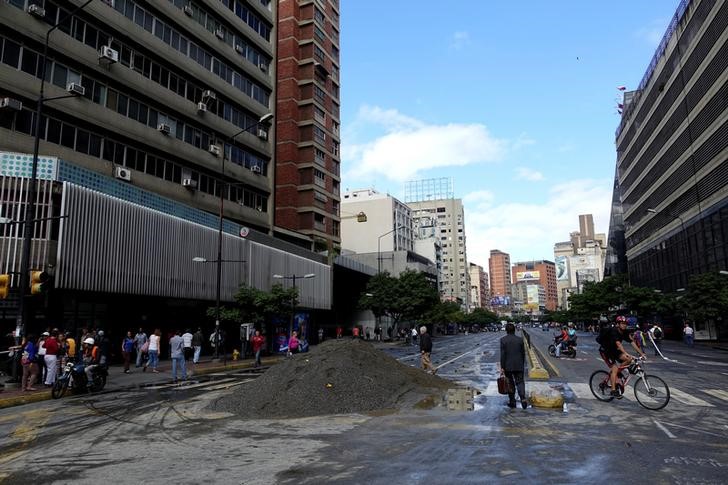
(515, 101)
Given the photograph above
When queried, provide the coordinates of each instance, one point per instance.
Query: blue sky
(515, 101)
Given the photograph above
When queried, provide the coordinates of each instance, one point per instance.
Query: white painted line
(458, 357)
(688, 399)
(182, 387)
(664, 429)
(720, 394)
(711, 362)
(581, 390)
(492, 389)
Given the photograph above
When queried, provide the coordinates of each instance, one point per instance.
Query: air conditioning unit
(263, 67)
(256, 169)
(220, 34)
(189, 183)
(108, 55)
(262, 134)
(208, 94)
(36, 11)
(10, 103)
(77, 89)
(122, 173)
(214, 149)
(202, 107)
(164, 128)
(187, 9)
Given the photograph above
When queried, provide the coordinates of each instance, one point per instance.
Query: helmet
(89, 341)
(100, 333)
(621, 319)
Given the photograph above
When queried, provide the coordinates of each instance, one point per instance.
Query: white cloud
(459, 40)
(528, 230)
(409, 146)
(525, 173)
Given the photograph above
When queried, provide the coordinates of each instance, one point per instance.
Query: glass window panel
(54, 131)
(94, 146)
(82, 141)
(30, 62)
(68, 135)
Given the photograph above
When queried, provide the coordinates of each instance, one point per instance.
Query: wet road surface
(166, 433)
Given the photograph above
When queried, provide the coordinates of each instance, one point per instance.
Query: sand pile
(338, 376)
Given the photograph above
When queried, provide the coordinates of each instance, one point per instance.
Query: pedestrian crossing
(581, 391)
(209, 385)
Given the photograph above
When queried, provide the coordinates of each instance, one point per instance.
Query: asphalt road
(166, 433)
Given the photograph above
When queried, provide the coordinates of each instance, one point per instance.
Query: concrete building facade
(479, 289)
(308, 160)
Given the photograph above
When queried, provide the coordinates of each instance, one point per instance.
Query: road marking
(492, 389)
(688, 399)
(202, 384)
(581, 390)
(664, 429)
(712, 362)
(720, 394)
(696, 430)
(459, 357)
(220, 386)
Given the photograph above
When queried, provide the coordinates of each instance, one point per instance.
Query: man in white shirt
(187, 341)
(688, 334)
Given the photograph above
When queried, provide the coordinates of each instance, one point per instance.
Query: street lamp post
(379, 248)
(198, 259)
(30, 210)
(263, 119)
(293, 279)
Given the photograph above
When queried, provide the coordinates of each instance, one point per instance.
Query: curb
(548, 365)
(23, 399)
(536, 370)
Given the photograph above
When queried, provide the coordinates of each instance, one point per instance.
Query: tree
(706, 297)
(444, 312)
(254, 305)
(480, 316)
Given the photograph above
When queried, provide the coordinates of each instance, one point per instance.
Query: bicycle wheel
(599, 385)
(59, 389)
(651, 392)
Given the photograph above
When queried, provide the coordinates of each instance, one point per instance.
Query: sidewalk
(118, 380)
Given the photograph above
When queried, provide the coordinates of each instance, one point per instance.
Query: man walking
(426, 350)
(176, 348)
(688, 334)
(187, 340)
(139, 340)
(513, 362)
(197, 339)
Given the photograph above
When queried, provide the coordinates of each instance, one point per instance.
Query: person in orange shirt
(355, 332)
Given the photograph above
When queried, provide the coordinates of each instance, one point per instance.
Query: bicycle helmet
(89, 341)
(621, 318)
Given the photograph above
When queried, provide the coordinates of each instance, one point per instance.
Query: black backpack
(658, 333)
(603, 336)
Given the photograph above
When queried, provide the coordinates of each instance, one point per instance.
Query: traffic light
(4, 286)
(38, 282)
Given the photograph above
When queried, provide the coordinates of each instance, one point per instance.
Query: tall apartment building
(446, 218)
(542, 273)
(672, 165)
(161, 88)
(388, 225)
(308, 122)
(479, 290)
(499, 265)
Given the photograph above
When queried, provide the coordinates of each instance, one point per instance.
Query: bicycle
(651, 392)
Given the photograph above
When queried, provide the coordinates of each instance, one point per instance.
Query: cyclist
(615, 353)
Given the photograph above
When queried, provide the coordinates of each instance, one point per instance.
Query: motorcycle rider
(91, 356)
(563, 337)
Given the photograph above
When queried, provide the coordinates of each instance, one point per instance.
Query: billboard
(528, 275)
(500, 301)
(562, 268)
(532, 294)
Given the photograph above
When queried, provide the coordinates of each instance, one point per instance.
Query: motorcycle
(74, 376)
(569, 350)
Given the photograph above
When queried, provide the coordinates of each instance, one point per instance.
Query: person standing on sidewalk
(177, 354)
(71, 350)
(28, 361)
(139, 340)
(187, 339)
(127, 345)
(197, 340)
(513, 362)
(41, 353)
(258, 344)
(426, 350)
(656, 336)
(51, 358)
(154, 351)
(688, 334)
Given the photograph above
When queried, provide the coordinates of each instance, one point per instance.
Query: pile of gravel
(336, 377)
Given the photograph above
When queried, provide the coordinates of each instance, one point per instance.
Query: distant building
(479, 294)
(542, 273)
(499, 265)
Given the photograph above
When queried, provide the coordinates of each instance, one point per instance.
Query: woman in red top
(51, 358)
(258, 342)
